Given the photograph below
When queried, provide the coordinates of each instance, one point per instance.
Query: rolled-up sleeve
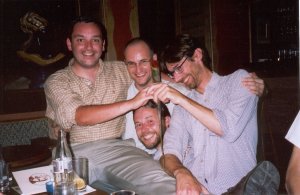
(174, 137)
(241, 106)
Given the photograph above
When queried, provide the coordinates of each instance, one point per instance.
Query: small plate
(39, 178)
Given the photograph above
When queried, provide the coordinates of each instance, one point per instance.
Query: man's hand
(140, 99)
(165, 93)
(187, 184)
(53, 130)
(254, 84)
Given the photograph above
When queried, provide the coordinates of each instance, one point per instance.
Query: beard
(144, 84)
(153, 144)
(191, 84)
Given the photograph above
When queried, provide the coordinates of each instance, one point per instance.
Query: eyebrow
(149, 117)
(80, 36)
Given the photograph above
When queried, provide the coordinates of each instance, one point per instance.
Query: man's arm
(93, 114)
(240, 107)
(292, 181)
(186, 183)
(165, 93)
(69, 108)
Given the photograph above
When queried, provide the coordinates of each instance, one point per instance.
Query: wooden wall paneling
(24, 100)
(194, 17)
(22, 116)
(1, 56)
(231, 31)
(157, 21)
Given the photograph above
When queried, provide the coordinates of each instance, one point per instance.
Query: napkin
(33, 181)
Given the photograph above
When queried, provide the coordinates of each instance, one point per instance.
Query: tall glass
(81, 172)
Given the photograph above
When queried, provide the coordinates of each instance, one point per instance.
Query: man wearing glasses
(138, 58)
(139, 55)
(219, 117)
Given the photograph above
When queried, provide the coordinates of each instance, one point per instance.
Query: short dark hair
(184, 45)
(139, 40)
(86, 19)
(151, 104)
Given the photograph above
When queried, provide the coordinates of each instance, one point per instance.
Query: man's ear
(198, 54)
(167, 121)
(154, 58)
(69, 44)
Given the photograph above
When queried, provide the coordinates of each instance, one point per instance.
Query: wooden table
(97, 192)
(26, 156)
(29, 156)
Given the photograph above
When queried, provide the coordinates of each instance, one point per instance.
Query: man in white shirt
(293, 171)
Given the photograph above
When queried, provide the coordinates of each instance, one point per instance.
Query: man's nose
(88, 44)
(145, 127)
(176, 77)
(138, 68)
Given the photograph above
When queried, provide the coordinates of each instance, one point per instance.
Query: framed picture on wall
(33, 47)
(34, 40)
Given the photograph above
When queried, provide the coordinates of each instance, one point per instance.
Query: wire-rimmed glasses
(178, 69)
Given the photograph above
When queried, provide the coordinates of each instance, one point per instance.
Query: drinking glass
(81, 172)
(65, 188)
(4, 177)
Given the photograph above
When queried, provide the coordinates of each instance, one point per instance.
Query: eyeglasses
(178, 69)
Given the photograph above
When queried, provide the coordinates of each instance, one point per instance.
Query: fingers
(254, 84)
(56, 132)
(253, 75)
(141, 99)
(157, 91)
(204, 190)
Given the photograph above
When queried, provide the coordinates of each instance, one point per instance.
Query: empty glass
(4, 177)
(65, 188)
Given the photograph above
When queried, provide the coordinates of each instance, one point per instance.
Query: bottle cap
(49, 186)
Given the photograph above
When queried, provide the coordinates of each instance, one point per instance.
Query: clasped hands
(158, 92)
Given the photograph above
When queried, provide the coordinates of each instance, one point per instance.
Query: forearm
(202, 114)
(292, 184)
(185, 180)
(293, 173)
(171, 164)
(94, 114)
